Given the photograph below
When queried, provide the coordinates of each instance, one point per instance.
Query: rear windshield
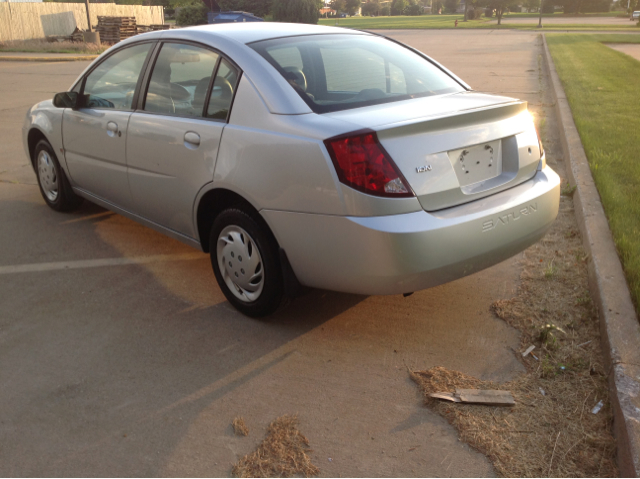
(340, 72)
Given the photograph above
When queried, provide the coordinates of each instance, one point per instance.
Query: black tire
(65, 199)
(271, 296)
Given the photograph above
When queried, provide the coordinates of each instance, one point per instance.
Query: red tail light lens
(539, 140)
(362, 163)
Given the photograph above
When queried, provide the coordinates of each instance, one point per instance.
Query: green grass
(602, 87)
(448, 21)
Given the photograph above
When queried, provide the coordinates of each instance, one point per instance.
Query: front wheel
(244, 256)
(53, 183)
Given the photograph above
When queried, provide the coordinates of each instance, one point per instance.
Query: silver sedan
(298, 155)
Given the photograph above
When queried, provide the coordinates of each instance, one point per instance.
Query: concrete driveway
(135, 365)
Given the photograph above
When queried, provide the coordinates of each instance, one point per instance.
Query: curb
(619, 324)
(48, 59)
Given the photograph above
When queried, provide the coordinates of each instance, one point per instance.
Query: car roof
(257, 31)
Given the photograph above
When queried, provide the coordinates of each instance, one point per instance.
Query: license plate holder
(477, 163)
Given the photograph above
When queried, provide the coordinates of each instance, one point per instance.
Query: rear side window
(112, 83)
(339, 72)
(180, 80)
(224, 86)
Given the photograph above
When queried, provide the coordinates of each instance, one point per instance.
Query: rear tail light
(362, 163)
(539, 142)
(543, 161)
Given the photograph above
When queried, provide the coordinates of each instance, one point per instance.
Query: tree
(338, 5)
(450, 6)
(372, 7)
(192, 15)
(352, 6)
(398, 6)
(413, 8)
(230, 5)
(295, 11)
(385, 11)
(531, 5)
(585, 6)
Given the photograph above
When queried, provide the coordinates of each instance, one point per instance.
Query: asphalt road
(135, 365)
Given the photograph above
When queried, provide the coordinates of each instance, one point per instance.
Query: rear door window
(224, 87)
(180, 80)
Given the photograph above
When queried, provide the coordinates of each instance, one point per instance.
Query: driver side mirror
(67, 99)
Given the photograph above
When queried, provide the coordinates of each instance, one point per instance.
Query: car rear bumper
(413, 251)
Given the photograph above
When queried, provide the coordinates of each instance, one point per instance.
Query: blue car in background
(232, 17)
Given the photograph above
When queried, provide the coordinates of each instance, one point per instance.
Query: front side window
(339, 72)
(222, 92)
(180, 80)
(113, 83)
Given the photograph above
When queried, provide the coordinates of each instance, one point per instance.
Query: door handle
(112, 128)
(191, 140)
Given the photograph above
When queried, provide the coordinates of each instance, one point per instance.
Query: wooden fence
(26, 21)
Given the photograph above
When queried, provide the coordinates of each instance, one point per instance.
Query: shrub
(548, 7)
(488, 12)
(192, 15)
(473, 13)
(398, 6)
(370, 8)
(414, 10)
(385, 11)
(295, 11)
(450, 6)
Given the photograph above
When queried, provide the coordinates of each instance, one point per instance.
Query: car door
(173, 139)
(95, 134)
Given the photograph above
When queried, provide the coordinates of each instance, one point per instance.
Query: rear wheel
(53, 183)
(244, 256)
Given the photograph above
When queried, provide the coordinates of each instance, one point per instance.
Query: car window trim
(136, 92)
(146, 76)
(149, 69)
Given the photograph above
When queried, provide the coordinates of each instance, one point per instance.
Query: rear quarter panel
(277, 161)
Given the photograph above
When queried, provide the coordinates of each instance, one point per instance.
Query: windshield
(340, 72)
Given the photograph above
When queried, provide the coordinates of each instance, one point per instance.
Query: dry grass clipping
(239, 427)
(43, 46)
(554, 434)
(282, 453)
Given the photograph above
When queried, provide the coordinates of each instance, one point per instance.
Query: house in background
(327, 11)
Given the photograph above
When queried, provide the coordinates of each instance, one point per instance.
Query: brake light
(543, 160)
(539, 141)
(362, 163)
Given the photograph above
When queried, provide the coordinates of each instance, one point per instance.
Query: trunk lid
(453, 149)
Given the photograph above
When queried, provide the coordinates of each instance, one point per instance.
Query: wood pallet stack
(77, 35)
(115, 29)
